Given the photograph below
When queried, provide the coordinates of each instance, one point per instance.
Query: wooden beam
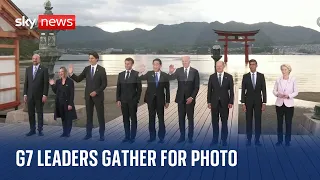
(9, 46)
(23, 32)
(17, 56)
(7, 34)
(236, 40)
(9, 105)
(6, 74)
(7, 58)
(7, 89)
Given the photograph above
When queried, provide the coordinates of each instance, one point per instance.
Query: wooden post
(226, 49)
(17, 60)
(246, 50)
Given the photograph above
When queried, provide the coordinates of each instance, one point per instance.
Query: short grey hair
(286, 66)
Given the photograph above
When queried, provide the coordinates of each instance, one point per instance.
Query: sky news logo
(49, 22)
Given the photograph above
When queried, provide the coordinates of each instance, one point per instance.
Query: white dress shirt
(126, 71)
(255, 77)
(222, 74)
(159, 72)
(34, 69)
(94, 68)
(188, 69)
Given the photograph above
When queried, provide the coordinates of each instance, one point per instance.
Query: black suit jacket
(189, 88)
(162, 92)
(225, 93)
(40, 85)
(98, 83)
(56, 88)
(129, 90)
(250, 95)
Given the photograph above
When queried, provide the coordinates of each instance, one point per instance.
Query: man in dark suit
(36, 86)
(96, 82)
(188, 87)
(129, 90)
(157, 97)
(253, 85)
(220, 99)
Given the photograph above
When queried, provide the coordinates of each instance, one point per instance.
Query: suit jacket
(187, 88)
(98, 83)
(129, 90)
(56, 88)
(250, 95)
(38, 86)
(289, 88)
(162, 92)
(224, 93)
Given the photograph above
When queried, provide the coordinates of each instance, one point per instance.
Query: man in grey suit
(36, 86)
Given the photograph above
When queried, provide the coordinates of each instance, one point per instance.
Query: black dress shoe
(132, 141)
(151, 140)
(125, 140)
(288, 144)
(279, 143)
(224, 143)
(257, 143)
(161, 141)
(87, 137)
(180, 140)
(67, 135)
(213, 143)
(101, 138)
(190, 140)
(40, 133)
(63, 135)
(248, 143)
(30, 133)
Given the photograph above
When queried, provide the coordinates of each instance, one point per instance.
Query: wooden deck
(300, 161)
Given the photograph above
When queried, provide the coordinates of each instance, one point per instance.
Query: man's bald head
(185, 61)
(220, 66)
(36, 59)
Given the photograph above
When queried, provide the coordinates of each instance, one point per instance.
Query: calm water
(305, 68)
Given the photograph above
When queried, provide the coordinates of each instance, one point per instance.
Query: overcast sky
(117, 15)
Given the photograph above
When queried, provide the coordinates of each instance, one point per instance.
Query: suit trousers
(66, 121)
(256, 109)
(286, 112)
(186, 109)
(35, 104)
(129, 111)
(156, 109)
(223, 112)
(98, 103)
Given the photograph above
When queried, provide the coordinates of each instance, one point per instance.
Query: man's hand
(209, 105)
(25, 99)
(244, 108)
(51, 82)
(166, 105)
(171, 69)
(230, 106)
(263, 108)
(69, 107)
(70, 69)
(142, 69)
(119, 103)
(93, 94)
(44, 99)
(189, 100)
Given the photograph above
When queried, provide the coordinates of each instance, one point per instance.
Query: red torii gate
(236, 35)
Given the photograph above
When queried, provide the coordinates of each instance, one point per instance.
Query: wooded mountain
(184, 35)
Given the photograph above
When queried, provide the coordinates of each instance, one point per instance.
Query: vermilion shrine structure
(236, 36)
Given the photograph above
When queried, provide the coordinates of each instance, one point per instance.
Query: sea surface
(305, 68)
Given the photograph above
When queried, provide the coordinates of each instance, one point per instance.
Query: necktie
(156, 79)
(219, 79)
(185, 74)
(253, 82)
(127, 76)
(92, 72)
(35, 72)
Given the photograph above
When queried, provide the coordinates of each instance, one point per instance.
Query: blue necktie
(35, 72)
(156, 79)
(253, 81)
(92, 72)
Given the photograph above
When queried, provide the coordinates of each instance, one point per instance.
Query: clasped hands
(283, 96)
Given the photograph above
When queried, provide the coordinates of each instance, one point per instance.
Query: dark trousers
(256, 109)
(66, 121)
(223, 112)
(129, 111)
(186, 109)
(286, 112)
(35, 104)
(154, 109)
(98, 103)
